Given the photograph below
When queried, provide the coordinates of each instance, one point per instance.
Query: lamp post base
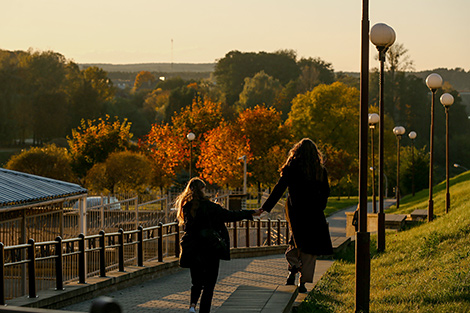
(430, 210)
(362, 271)
(447, 202)
(381, 232)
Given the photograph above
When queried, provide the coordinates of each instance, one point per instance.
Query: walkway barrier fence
(50, 264)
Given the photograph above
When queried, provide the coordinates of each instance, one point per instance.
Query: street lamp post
(447, 100)
(373, 119)
(412, 136)
(382, 36)
(398, 131)
(244, 173)
(434, 82)
(362, 295)
(190, 137)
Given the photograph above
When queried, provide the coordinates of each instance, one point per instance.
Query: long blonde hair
(193, 192)
(306, 155)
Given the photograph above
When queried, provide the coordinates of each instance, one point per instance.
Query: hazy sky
(436, 33)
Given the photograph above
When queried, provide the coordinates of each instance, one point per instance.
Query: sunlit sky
(436, 33)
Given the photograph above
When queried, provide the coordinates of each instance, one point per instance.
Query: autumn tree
(122, 172)
(220, 152)
(94, 140)
(168, 152)
(336, 161)
(48, 161)
(144, 79)
(269, 142)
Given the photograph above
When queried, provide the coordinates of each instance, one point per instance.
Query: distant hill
(154, 67)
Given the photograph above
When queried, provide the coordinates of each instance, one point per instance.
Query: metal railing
(50, 264)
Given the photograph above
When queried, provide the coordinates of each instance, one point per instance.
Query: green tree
(122, 172)
(313, 72)
(230, 71)
(329, 114)
(48, 161)
(413, 162)
(258, 90)
(94, 140)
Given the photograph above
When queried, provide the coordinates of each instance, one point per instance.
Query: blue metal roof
(17, 188)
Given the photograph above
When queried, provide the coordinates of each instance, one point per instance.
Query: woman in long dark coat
(201, 218)
(306, 179)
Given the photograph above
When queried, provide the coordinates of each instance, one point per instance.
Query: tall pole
(431, 159)
(397, 189)
(362, 236)
(382, 36)
(433, 81)
(447, 160)
(190, 158)
(381, 214)
(191, 136)
(413, 167)
(374, 204)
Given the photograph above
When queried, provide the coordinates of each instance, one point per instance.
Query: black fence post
(81, 260)
(160, 242)
(235, 234)
(121, 250)
(278, 231)
(259, 233)
(32, 268)
(2, 274)
(102, 242)
(177, 240)
(59, 285)
(268, 239)
(140, 246)
(248, 233)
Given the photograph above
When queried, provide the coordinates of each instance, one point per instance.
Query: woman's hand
(258, 212)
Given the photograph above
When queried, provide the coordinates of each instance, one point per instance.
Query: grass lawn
(424, 269)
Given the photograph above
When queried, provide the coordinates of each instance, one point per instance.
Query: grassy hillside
(424, 269)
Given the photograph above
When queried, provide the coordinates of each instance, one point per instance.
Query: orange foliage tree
(200, 118)
(342, 167)
(144, 79)
(269, 141)
(168, 152)
(220, 152)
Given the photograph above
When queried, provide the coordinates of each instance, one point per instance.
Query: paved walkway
(170, 294)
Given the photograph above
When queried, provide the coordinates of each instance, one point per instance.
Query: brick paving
(170, 294)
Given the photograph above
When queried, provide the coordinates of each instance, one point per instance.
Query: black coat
(209, 215)
(305, 205)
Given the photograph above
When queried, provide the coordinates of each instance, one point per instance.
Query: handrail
(60, 248)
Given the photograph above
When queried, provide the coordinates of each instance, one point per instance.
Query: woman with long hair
(203, 224)
(306, 179)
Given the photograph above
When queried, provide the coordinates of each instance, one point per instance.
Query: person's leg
(294, 264)
(197, 275)
(307, 270)
(308, 267)
(211, 273)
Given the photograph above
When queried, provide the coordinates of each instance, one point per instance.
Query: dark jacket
(209, 215)
(305, 205)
